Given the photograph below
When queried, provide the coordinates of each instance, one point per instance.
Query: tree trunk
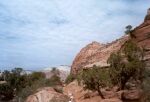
(122, 86)
(100, 93)
(123, 83)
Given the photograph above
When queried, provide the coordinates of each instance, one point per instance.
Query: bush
(20, 85)
(6, 92)
(54, 80)
(146, 86)
(94, 79)
(70, 78)
(15, 82)
(126, 64)
(38, 83)
(36, 76)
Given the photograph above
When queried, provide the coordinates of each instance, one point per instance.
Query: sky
(36, 34)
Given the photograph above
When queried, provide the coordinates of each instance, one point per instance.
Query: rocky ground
(75, 93)
(111, 95)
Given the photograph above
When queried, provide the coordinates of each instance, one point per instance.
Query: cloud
(41, 33)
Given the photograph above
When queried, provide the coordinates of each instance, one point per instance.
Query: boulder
(109, 94)
(132, 94)
(47, 94)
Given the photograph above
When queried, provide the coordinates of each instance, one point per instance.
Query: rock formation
(142, 34)
(97, 54)
(47, 94)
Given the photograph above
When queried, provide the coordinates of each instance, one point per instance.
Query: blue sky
(35, 34)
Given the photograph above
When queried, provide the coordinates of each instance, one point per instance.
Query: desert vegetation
(94, 79)
(126, 65)
(70, 78)
(19, 85)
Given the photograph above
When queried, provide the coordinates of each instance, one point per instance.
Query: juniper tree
(94, 79)
(126, 64)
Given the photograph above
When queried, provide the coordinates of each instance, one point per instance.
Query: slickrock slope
(96, 54)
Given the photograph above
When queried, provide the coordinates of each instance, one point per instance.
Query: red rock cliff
(97, 54)
(142, 34)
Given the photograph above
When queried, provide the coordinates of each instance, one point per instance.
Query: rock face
(142, 34)
(47, 94)
(96, 54)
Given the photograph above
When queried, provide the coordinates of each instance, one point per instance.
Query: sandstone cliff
(142, 34)
(97, 54)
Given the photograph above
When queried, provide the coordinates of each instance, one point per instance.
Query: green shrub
(70, 78)
(36, 76)
(58, 89)
(54, 80)
(6, 92)
(126, 64)
(146, 86)
(94, 79)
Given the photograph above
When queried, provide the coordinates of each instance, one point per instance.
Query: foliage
(35, 76)
(6, 92)
(146, 86)
(94, 79)
(126, 64)
(20, 85)
(58, 89)
(55, 71)
(69, 78)
(30, 89)
(38, 80)
(15, 81)
(54, 80)
(129, 31)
